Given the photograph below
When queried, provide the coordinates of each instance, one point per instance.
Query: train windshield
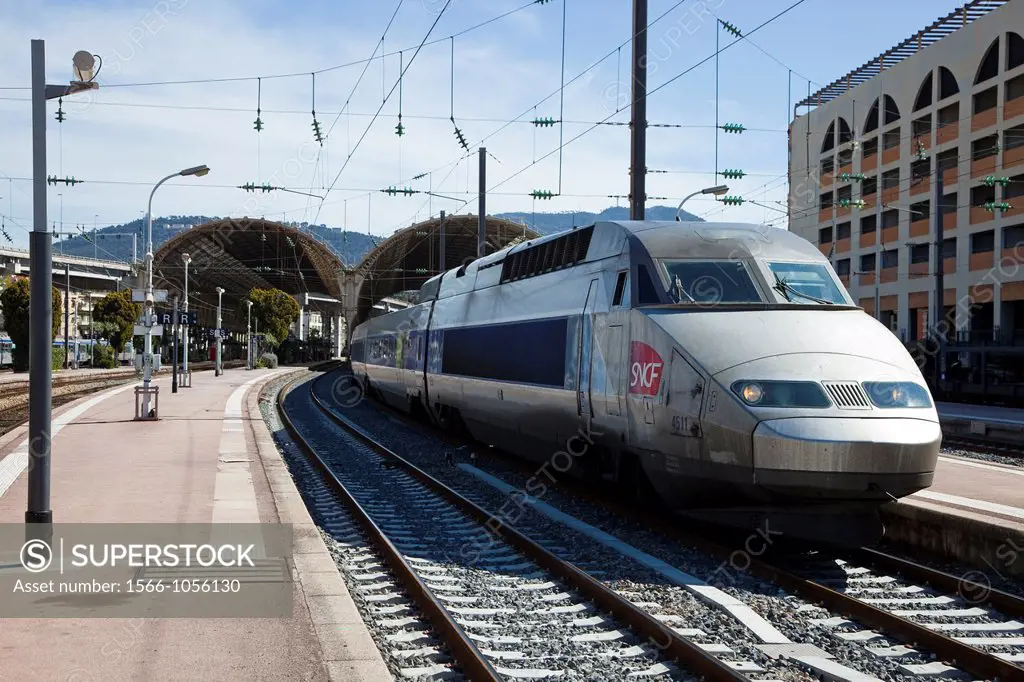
(806, 282)
(710, 282)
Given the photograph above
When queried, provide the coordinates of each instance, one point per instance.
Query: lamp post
(148, 315)
(248, 338)
(184, 332)
(220, 294)
(717, 190)
(38, 515)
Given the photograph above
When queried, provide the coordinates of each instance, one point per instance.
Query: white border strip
(978, 505)
(14, 463)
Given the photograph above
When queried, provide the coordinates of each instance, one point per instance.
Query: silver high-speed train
(722, 367)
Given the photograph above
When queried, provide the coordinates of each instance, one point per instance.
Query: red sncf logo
(645, 369)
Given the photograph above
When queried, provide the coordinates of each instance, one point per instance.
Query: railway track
(924, 622)
(986, 445)
(506, 605)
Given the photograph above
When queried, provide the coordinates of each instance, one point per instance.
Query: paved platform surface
(985, 488)
(1008, 415)
(210, 458)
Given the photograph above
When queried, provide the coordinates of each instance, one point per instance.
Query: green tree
(15, 302)
(117, 314)
(275, 310)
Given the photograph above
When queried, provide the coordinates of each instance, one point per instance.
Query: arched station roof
(240, 254)
(411, 256)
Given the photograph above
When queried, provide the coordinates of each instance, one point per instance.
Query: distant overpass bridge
(88, 274)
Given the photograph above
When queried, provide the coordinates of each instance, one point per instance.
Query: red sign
(645, 369)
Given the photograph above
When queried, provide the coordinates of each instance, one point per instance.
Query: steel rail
(965, 656)
(993, 446)
(466, 654)
(692, 657)
(1005, 602)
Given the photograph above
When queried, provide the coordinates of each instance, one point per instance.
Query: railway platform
(974, 510)
(209, 459)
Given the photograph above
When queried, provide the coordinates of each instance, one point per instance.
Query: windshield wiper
(680, 292)
(785, 288)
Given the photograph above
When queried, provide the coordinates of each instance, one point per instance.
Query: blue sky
(124, 137)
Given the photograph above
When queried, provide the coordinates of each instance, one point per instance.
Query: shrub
(105, 357)
(57, 359)
(268, 360)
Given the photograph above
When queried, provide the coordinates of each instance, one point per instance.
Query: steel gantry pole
(217, 367)
(40, 312)
(184, 331)
(638, 115)
(38, 515)
(939, 276)
(67, 315)
(248, 337)
(481, 231)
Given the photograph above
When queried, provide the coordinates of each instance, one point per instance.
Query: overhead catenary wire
(647, 95)
(363, 136)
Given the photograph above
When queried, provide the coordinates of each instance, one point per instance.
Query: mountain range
(115, 242)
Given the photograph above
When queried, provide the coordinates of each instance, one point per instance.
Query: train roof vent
(548, 256)
(847, 395)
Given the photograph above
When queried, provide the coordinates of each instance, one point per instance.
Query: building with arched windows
(866, 153)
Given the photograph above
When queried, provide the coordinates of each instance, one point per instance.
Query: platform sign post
(174, 359)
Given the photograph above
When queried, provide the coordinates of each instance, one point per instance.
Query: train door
(685, 397)
(584, 406)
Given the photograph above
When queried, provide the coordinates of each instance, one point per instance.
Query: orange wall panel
(920, 186)
(980, 215)
(869, 163)
(890, 234)
(1013, 291)
(869, 239)
(1013, 157)
(890, 155)
(983, 120)
(985, 166)
(918, 299)
(982, 261)
(1013, 108)
(842, 246)
(948, 132)
(889, 275)
(919, 228)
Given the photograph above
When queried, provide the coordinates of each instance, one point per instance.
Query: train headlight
(781, 394)
(897, 394)
(752, 393)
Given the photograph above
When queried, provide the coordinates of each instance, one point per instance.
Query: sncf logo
(645, 369)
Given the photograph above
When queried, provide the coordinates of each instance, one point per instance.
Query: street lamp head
(84, 66)
(186, 258)
(198, 171)
(249, 303)
(220, 291)
(717, 190)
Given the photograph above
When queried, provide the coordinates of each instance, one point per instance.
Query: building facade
(865, 157)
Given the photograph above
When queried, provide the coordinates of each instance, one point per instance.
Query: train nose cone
(846, 457)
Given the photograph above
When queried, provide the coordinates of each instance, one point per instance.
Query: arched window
(830, 138)
(892, 112)
(845, 134)
(871, 122)
(947, 83)
(1014, 50)
(989, 63)
(924, 94)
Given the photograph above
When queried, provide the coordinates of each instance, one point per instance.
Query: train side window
(621, 289)
(646, 293)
